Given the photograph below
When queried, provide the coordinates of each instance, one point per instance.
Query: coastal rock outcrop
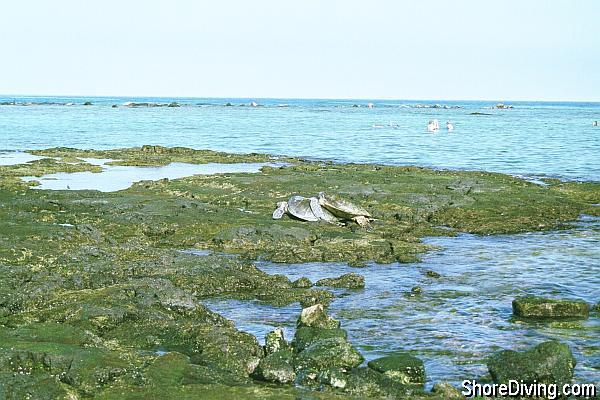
(540, 307)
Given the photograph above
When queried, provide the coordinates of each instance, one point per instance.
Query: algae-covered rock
(348, 281)
(315, 317)
(549, 362)
(275, 341)
(329, 353)
(401, 367)
(305, 336)
(367, 383)
(276, 367)
(447, 391)
(432, 274)
(539, 307)
(334, 377)
(302, 282)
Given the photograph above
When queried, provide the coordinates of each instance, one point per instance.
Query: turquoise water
(555, 139)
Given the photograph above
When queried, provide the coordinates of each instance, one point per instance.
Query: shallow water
(534, 138)
(465, 315)
(117, 177)
(17, 157)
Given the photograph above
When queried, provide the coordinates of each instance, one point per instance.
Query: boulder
(348, 281)
(334, 377)
(539, 307)
(305, 336)
(276, 367)
(367, 383)
(315, 317)
(275, 341)
(329, 353)
(401, 367)
(549, 362)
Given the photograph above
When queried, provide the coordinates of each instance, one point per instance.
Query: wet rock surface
(402, 367)
(348, 281)
(543, 308)
(549, 362)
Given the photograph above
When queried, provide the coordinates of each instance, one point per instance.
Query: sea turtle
(320, 212)
(344, 209)
(281, 209)
(299, 207)
(306, 209)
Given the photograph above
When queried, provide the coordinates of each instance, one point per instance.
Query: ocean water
(465, 315)
(533, 138)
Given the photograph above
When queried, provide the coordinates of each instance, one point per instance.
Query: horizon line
(300, 98)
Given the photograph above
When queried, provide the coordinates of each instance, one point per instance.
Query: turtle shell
(340, 207)
(321, 212)
(299, 207)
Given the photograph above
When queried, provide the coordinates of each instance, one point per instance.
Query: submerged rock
(401, 367)
(539, 307)
(276, 367)
(315, 317)
(432, 274)
(549, 362)
(348, 281)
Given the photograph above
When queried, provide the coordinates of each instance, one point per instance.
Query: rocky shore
(99, 299)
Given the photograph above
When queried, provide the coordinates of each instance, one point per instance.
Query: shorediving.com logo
(471, 388)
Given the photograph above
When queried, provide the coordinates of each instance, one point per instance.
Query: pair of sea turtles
(324, 207)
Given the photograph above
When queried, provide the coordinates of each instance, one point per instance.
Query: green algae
(93, 284)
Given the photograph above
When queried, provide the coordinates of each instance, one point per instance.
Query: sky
(376, 49)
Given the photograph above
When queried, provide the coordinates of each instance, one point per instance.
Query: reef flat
(98, 300)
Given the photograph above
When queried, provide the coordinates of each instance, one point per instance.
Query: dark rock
(401, 367)
(276, 367)
(539, 307)
(357, 264)
(328, 353)
(174, 104)
(87, 103)
(432, 274)
(302, 282)
(549, 362)
(305, 336)
(416, 290)
(315, 317)
(348, 281)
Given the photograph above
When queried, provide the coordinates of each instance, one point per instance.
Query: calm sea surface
(533, 138)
